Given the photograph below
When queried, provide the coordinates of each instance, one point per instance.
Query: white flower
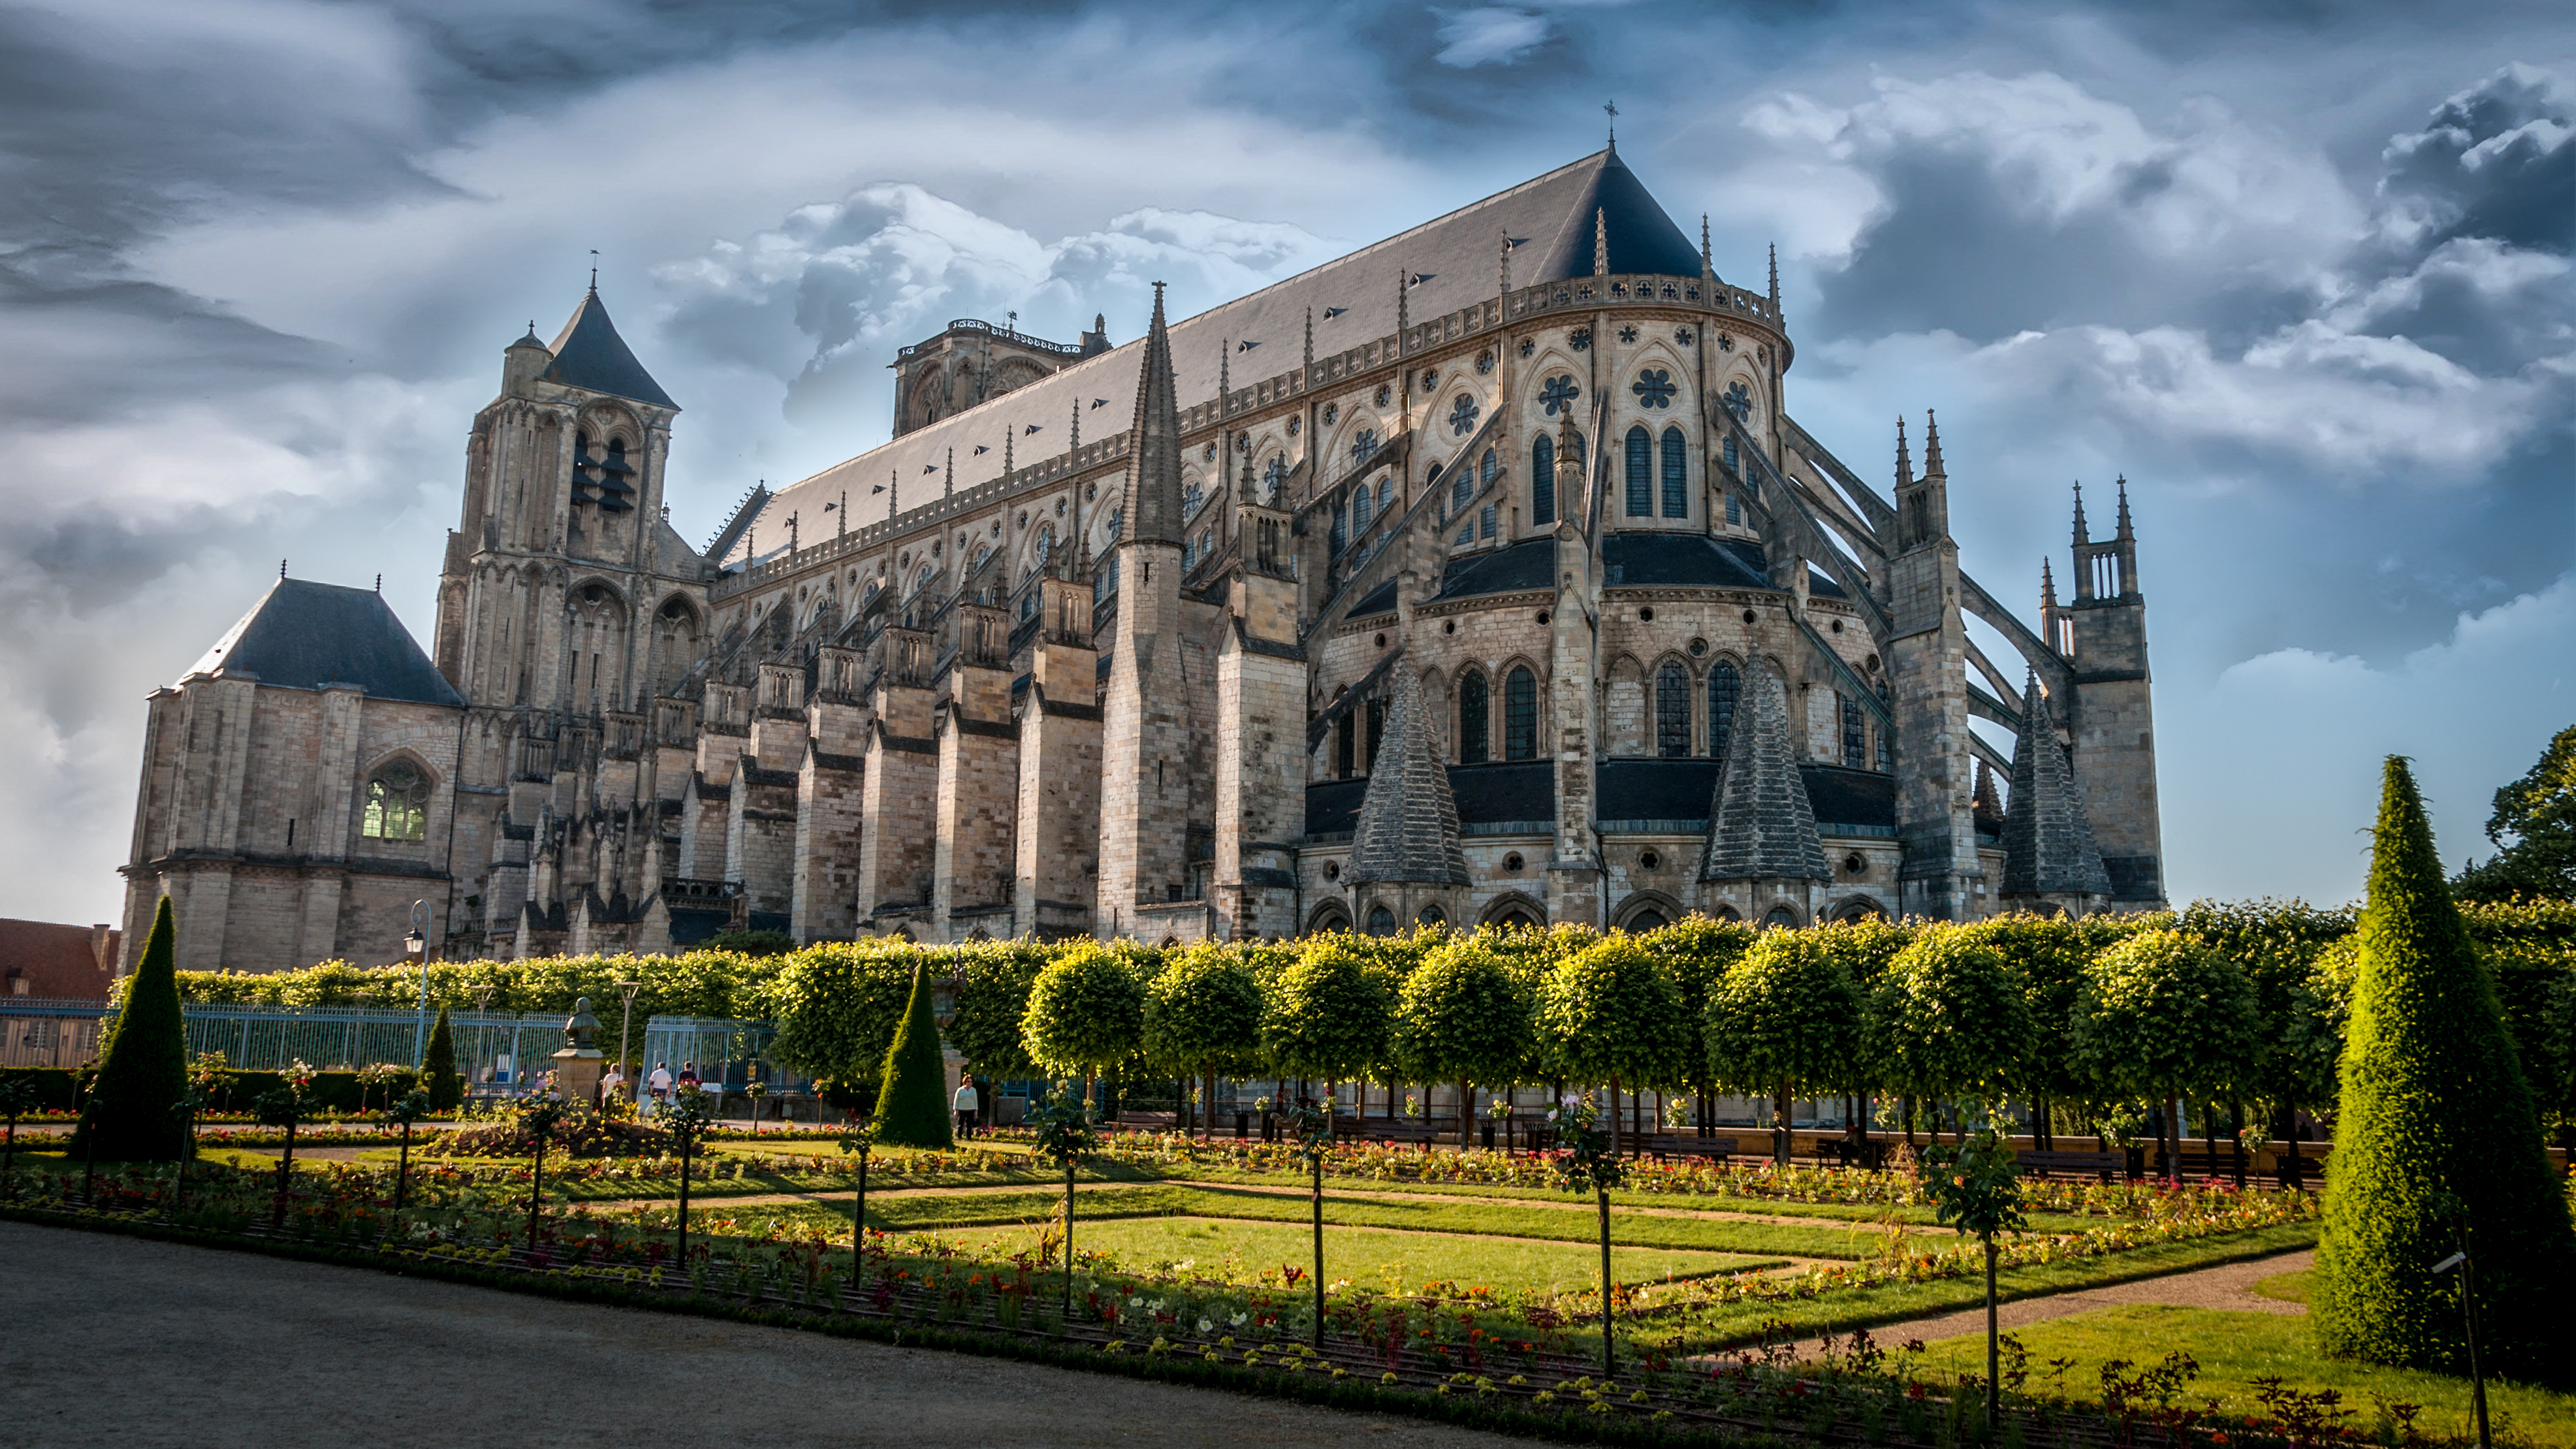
(1206, 1327)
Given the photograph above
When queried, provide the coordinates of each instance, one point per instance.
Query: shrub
(438, 1065)
(142, 1066)
(1459, 1018)
(2161, 1017)
(2436, 1131)
(1608, 1014)
(1203, 1013)
(1328, 1014)
(1086, 1012)
(1786, 1015)
(912, 1097)
(1953, 1017)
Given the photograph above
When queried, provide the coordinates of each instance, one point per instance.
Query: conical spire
(1504, 266)
(1761, 825)
(1600, 241)
(2122, 533)
(1153, 495)
(2082, 535)
(1707, 268)
(1983, 799)
(1310, 337)
(1408, 825)
(1931, 446)
(1904, 463)
(1775, 281)
(2048, 839)
(1006, 453)
(948, 480)
(2047, 587)
(590, 355)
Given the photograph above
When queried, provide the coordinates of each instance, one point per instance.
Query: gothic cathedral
(1503, 588)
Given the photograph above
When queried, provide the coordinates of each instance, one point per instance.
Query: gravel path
(339, 1356)
(2229, 1286)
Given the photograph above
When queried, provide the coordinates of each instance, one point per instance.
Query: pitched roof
(60, 963)
(1762, 825)
(1529, 564)
(589, 354)
(1447, 264)
(304, 635)
(1408, 823)
(2048, 840)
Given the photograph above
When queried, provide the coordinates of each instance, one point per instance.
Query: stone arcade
(1503, 587)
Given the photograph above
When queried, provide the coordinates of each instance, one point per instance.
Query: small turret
(522, 363)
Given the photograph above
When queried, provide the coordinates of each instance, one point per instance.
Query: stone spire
(1775, 281)
(2123, 533)
(1761, 825)
(2083, 535)
(1932, 446)
(1224, 373)
(1504, 266)
(1600, 241)
(1152, 500)
(1904, 462)
(1310, 337)
(1984, 797)
(2047, 588)
(1707, 268)
(1403, 305)
(1006, 453)
(2048, 840)
(1408, 825)
(948, 480)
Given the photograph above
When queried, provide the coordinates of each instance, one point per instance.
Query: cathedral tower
(1927, 655)
(2112, 715)
(1145, 743)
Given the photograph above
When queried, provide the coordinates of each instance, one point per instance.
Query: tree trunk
(1319, 1255)
(1780, 1124)
(1615, 1149)
(1994, 1386)
(1609, 1360)
(2173, 1135)
(1466, 1113)
(1906, 1106)
(2293, 1172)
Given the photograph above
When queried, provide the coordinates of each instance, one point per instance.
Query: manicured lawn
(2234, 1349)
(1724, 1325)
(1375, 1259)
(1570, 1224)
(2288, 1287)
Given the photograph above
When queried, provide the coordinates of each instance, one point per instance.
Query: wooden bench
(1663, 1145)
(2104, 1166)
(1407, 1131)
(1148, 1121)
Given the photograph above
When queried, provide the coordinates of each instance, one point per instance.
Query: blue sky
(2301, 272)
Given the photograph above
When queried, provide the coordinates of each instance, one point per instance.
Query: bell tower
(2112, 716)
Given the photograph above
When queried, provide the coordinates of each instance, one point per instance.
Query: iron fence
(37, 1031)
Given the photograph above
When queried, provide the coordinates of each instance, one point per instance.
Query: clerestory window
(397, 805)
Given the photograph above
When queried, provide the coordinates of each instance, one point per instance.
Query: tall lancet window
(1676, 474)
(1724, 684)
(1543, 479)
(1475, 722)
(1672, 712)
(1520, 715)
(1641, 483)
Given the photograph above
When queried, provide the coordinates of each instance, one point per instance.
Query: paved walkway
(2229, 1286)
(348, 1356)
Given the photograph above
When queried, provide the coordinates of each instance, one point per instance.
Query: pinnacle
(2048, 838)
(1904, 463)
(1931, 446)
(1408, 824)
(2081, 535)
(1152, 500)
(1761, 824)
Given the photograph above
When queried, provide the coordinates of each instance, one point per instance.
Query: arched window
(1672, 712)
(1361, 503)
(1474, 719)
(1381, 921)
(1543, 479)
(1732, 466)
(1676, 475)
(397, 803)
(1273, 475)
(1385, 494)
(1734, 506)
(1462, 491)
(1431, 916)
(1855, 734)
(1780, 916)
(1724, 684)
(1486, 468)
(1341, 533)
(1641, 469)
(1520, 715)
(1648, 919)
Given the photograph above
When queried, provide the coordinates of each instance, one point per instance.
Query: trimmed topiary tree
(1459, 1018)
(912, 1096)
(142, 1066)
(1086, 1012)
(2436, 1133)
(1953, 1019)
(1608, 1014)
(2162, 1017)
(1787, 1015)
(1328, 1014)
(438, 1066)
(1203, 1016)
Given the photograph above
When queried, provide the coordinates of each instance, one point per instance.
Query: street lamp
(417, 943)
(2469, 1321)
(626, 990)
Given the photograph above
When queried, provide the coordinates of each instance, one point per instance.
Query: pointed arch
(1515, 909)
(1676, 473)
(1672, 709)
(1520, 713)
(1475, 717)
(1725, 689)
(1640, 448)
(394, 792)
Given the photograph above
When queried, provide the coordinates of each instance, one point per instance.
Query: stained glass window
(1641, 467)
(1363, 443)
(1855, 734)
(1474, 719)
(1732, 464)
(1272, 477)
(1520, 715)
(1654, 388)
(1724, 684)
(1486, 468)
(1341, 533)
(397, 803)
(1463, 414)
(1486, 522)
(1734, 505)
(1672, 712)
(1362, 502)
(1738, 400)
(1676, 475)
(1543, 479)
(1559, 394)
(1462, 491)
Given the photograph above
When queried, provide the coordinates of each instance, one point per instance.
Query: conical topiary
(131, 1114)
(2436, 1128)
(438, 1067)
(912, 1096)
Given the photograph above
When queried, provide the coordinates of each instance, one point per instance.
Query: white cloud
(2288, 744)
(1487, 35)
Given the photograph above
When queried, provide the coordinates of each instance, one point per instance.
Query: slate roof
(1379, 600)
(1455, 258)
(1333, 806)
(1761, 825)
(1408, 822)
(1504, 793)
(304, 635)
(2048, 840)
(590, 354)
(1840, 796)
(1530, 564)
(1675, 789)
(1635, 560)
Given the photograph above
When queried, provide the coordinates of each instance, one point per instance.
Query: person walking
(612, 1086)
(968, 1105)
(660, 1082)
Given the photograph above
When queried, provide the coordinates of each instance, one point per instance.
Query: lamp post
(417, 943)
(626, 990)
(2469, 1321)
